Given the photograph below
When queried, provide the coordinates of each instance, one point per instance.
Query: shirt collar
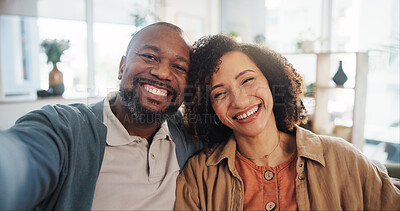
(308, 145)
(117, 135)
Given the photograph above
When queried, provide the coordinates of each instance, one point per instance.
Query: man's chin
(146, 112)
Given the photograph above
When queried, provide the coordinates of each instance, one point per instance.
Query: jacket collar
(308, 145)
(222, 151)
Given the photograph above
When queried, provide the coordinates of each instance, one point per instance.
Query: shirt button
(270, 206)
(152, 156)
(301, 177)
(268, 175)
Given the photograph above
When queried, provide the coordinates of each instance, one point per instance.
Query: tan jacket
(331, 175)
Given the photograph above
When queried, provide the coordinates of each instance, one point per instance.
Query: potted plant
(235, 35)
(54, 49)
(308, 42)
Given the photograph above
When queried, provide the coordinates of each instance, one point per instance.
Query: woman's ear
(122, 65)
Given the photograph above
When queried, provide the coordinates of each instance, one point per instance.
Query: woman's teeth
(156, 91)
(248, 114)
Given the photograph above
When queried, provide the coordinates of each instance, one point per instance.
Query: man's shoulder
(95, 109)
(62, 113)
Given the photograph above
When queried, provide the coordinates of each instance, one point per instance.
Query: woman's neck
(269, 148)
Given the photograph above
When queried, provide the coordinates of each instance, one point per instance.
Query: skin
(240, 87)
(160, 54)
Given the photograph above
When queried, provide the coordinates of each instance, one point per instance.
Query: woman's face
(240, 95)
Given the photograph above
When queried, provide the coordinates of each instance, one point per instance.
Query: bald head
(160, 25)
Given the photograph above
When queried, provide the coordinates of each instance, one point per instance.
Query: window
(110, 42)
(73, 63)
(98, 30)
(343, 26)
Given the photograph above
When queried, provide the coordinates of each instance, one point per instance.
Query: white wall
(196, 18)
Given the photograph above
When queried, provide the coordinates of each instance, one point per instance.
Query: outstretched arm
(30, 161)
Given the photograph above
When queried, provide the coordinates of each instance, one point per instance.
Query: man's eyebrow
(151, 47)
(243, 72)
(180, 58)
(157, 49)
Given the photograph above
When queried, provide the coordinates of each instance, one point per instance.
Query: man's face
(153, 74)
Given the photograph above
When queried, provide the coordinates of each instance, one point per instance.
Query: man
(121, 153)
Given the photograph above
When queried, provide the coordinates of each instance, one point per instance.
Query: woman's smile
(248, 115)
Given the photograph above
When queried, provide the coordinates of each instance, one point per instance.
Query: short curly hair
(286, 86)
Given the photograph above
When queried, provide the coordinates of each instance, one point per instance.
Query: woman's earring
(215, 122)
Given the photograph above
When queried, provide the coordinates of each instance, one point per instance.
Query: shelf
(336, 111)
(333, 87)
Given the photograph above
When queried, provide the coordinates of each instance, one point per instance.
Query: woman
(246, 105)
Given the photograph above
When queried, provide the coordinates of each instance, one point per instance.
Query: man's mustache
(161, 84)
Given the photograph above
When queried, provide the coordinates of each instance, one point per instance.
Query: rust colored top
(267, 188)
(331, 175)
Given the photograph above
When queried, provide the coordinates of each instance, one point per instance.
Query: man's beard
(139, 113)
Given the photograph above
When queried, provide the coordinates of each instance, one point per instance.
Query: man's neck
(133, 127)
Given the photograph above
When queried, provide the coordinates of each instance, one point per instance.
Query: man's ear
(122, 65)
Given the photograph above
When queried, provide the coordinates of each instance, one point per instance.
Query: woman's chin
(248, 132)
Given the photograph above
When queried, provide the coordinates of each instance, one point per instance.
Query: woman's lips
(247, 114)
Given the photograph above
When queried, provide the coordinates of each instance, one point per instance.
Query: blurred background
(327, 41)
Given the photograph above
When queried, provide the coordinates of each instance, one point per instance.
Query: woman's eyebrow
(216, 86)
(243, 72)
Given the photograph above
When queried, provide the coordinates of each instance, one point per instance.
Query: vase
(56, 83)
(340, 77)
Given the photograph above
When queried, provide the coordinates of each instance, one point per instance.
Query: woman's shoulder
(331, 147)
(342, 152)
(200, 159)
(338, 145)
(335, 142)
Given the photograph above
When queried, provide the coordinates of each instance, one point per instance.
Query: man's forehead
(159, 34)
(160, 40)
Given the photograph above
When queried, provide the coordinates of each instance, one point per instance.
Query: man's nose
(162, 71)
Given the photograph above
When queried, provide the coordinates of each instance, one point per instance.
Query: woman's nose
(239, 98)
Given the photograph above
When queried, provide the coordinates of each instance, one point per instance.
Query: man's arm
(30, 161)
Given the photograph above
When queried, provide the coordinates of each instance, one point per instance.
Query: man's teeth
(248, 114)
(155, 91)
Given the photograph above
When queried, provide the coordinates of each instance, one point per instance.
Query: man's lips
(248, 113)
(155, 90)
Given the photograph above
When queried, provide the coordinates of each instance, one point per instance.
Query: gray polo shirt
(134, 175)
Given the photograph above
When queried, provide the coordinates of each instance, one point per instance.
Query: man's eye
(247, 80)
(180, 68)
(148, 57)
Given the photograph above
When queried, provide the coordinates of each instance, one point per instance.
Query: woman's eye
(219, 95)
(247, 80)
